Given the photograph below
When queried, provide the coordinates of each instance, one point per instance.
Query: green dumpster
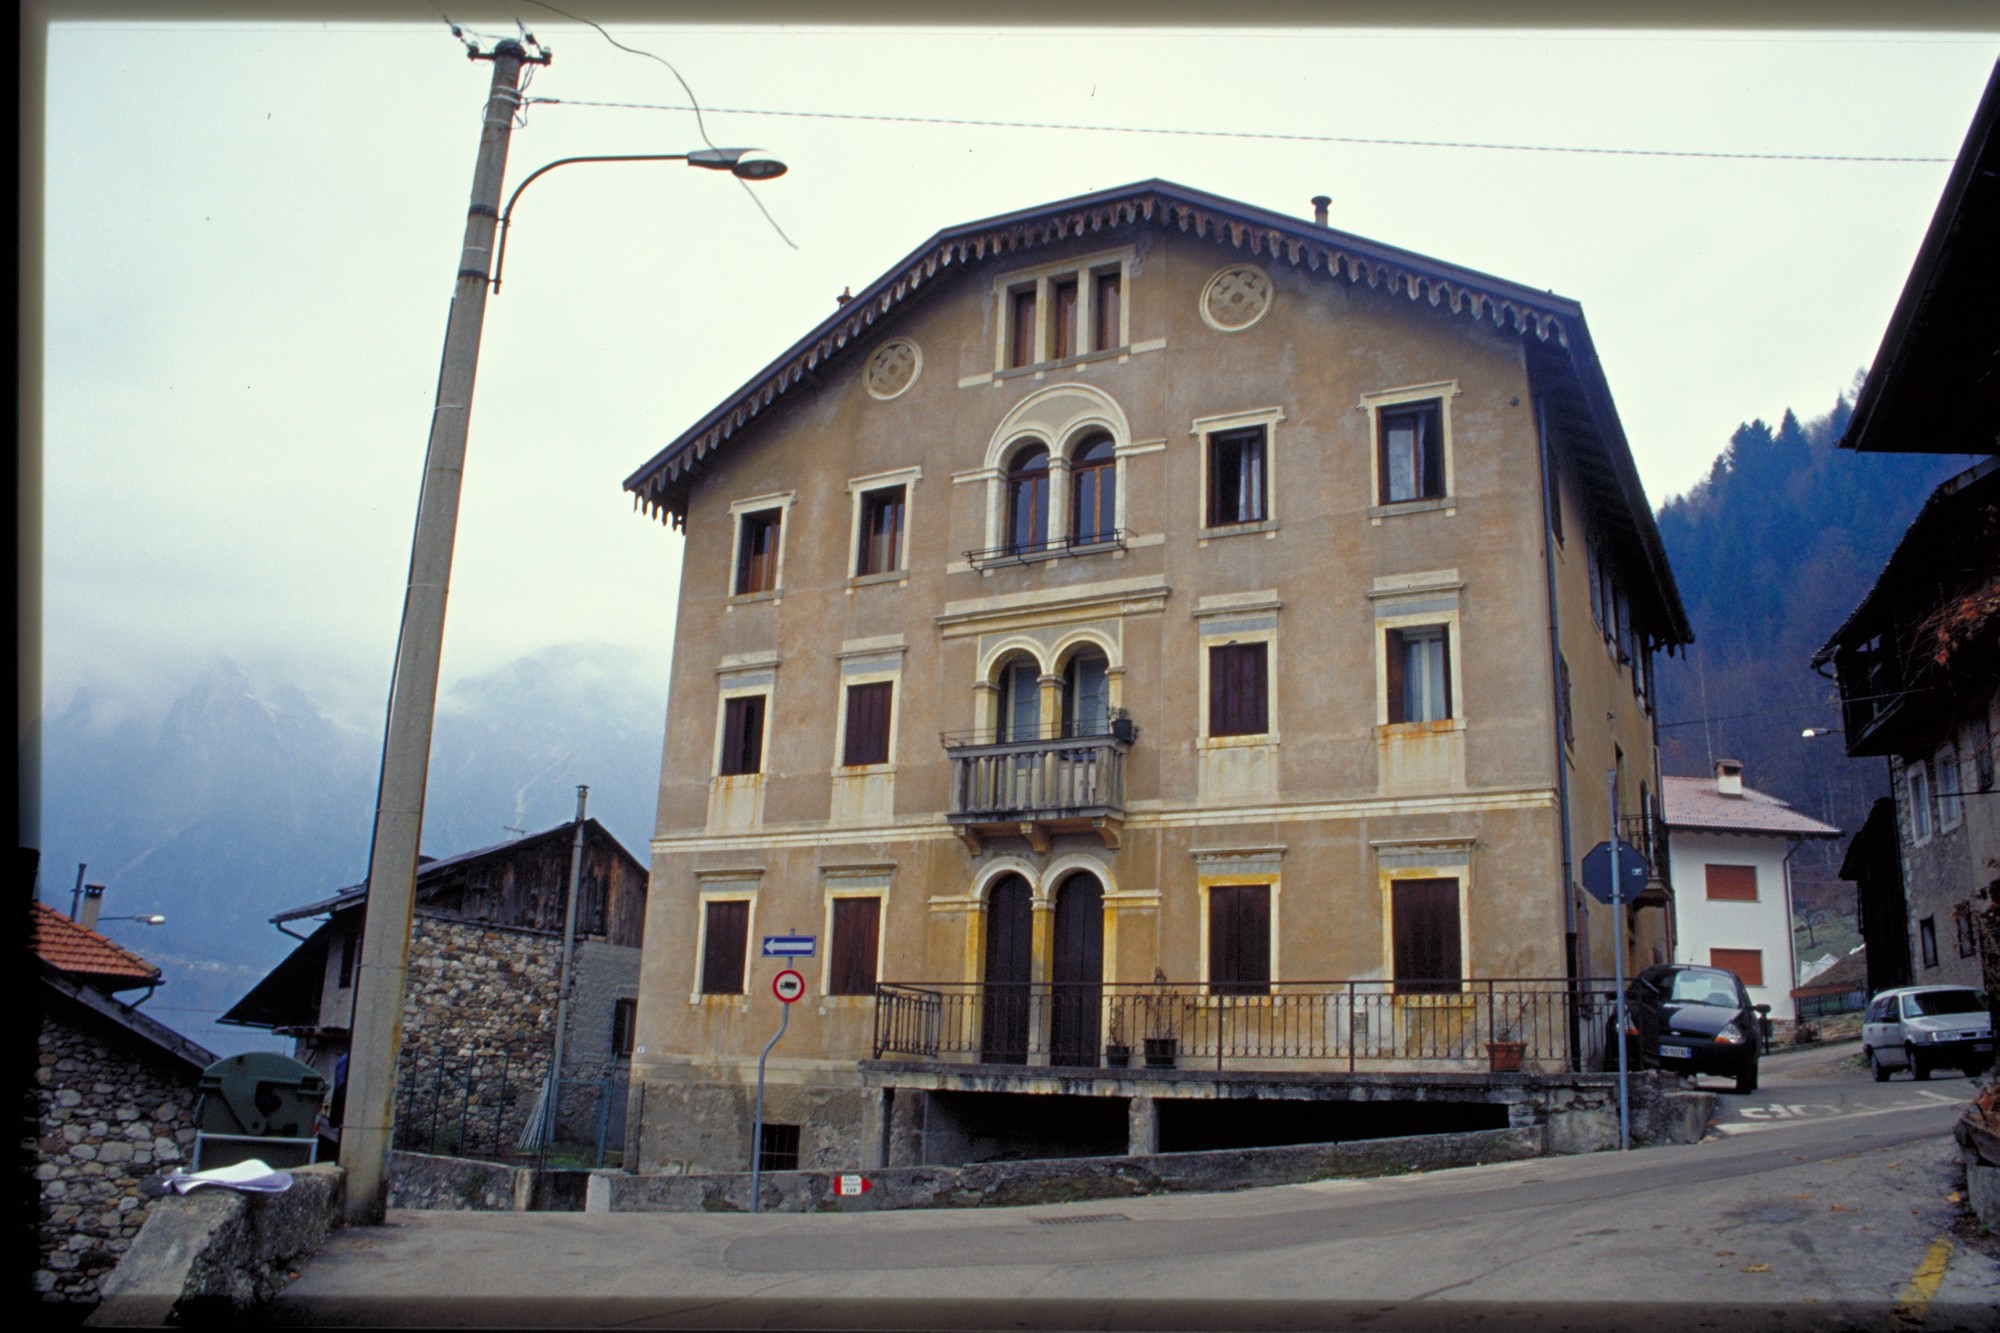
(262, 1105)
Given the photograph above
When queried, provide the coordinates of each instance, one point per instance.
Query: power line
(1255, 134)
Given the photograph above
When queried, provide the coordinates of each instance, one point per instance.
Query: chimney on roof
(846, 295)
(1320, 203)
(1729, 777)
(93, 903)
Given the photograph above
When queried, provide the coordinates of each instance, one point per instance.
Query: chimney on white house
(1320, 204)
(93, 903)
(1729, 777)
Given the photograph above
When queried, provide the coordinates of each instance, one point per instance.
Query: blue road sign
(790, 946)
(1632, 871)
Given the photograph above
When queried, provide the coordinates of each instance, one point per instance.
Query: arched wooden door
(1009, 962)
(1078, 971)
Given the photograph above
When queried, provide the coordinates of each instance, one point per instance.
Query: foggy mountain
(246, 798)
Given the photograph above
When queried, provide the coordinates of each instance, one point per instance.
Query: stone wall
(602, 974)
(478, 1027)
(109, 1116)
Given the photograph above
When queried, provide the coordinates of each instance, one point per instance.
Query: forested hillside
(1772, 550)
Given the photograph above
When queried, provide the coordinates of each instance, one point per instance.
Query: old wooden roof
(1566, 371)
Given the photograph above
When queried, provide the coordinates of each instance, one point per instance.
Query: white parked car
(1921, 1028)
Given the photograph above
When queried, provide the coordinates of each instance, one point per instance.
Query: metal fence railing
(498, 1109)
(1303, 1025)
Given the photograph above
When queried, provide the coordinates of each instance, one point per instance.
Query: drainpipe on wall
(1555, 695)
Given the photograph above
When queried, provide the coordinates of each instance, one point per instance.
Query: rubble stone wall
(478, 1025)
(109, 1117)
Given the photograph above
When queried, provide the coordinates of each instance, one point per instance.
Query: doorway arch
(1077, 971)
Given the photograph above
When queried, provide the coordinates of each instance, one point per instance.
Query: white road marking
(1790, 1121)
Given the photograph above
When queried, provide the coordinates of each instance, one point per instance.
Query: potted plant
(1505, 1052)
(1163, 1041)
(1122, 726)
(1117, 1054)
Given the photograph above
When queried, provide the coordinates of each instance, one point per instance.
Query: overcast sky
(252, 233)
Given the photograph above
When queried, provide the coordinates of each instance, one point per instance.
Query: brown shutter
(1444, 666)
(868, 723)
(1238, 697)
(1747, 964)
(1023, 349)
(1239, 939)
(1430, 450)
(1731, 884)
(1396, 659)
(851, 956)
(1424, 916)
(742, 735)
(724, 941)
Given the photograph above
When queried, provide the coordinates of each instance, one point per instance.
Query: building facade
(1918, 661)
(1144, 618)
(1732, 863)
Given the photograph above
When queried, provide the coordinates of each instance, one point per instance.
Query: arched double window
(1094, 489)
(1086, 698)
(1028, 499)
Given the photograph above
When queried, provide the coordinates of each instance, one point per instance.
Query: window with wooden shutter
(1236, 477)
(880, 545)
(1105, 320)
(757, 552)
(1021, 312)
(1411, 459)
(742, 735)
(725, 937)
(1238, 689)
(1731, 884)
(1424, 919)
(1747, 964)
(1239, 939)
(1028, 500)
(1062, 318)
(857, 924)
(867, 739)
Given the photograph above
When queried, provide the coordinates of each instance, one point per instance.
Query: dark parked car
(1691, 1020)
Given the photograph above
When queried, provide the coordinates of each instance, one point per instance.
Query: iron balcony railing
(1022, 553)
(1303, 1026)
(1054, 777)
(1649, 834)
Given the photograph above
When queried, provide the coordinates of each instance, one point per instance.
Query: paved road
(1820, 1203)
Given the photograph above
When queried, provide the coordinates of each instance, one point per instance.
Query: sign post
(788, 986)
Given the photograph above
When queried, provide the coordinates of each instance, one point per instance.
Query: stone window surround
(783, 502)
(1224, 866)
(1233, 618)
(856, 881)
(907, 478)
(1423, 858)
(869, 662)
(1203, 429)
(1419, 601)
(713, 886)
(740, 677)
(1372, 404)
(1083, 268)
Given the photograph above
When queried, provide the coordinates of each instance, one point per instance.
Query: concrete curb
(1063, 1180)
(217, 1253)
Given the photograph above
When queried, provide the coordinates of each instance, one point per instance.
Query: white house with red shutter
(1731, 849)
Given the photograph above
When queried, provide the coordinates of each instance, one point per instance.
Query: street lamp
(155, 919)
(1812, 733)
(736, 161)
(377, 1026)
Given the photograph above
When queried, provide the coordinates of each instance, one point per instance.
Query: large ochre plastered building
(1145, 588)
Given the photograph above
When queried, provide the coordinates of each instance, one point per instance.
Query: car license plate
(1676, 1052)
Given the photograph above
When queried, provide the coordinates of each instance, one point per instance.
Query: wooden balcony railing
(1301, 1026)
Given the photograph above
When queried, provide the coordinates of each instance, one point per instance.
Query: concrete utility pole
(562, 977)
(399, 809)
